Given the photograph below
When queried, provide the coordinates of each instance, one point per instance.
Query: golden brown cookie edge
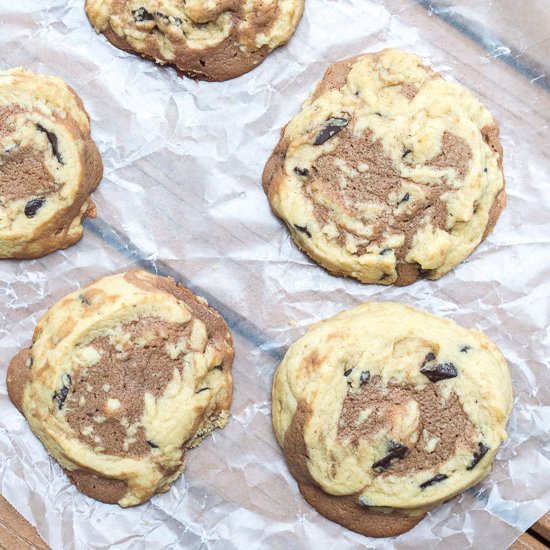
(273, 174)
(109, 490)
(344, 510)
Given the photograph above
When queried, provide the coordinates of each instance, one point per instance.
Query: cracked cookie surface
(384, 412)
(389, 173)
(49, 165)
(215, 40)
(122, 378)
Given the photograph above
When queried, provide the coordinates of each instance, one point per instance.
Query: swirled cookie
(214, 40)
(122, 378)
(384, 412)
(49, 165)
(389, 173)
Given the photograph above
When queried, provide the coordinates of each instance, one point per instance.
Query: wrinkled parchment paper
(182, 196)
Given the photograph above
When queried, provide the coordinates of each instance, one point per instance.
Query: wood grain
(542, 528)
(527, 542)
(523, 31)
(509, 107)
(16, 533)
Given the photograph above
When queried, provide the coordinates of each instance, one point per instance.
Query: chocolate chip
(485, 170)
(384, 276)
(441, 371)
(396, 451)
(301, 171)
(141, 15)
(162, 16)
(363, 502)
(394, 445)
(202, 389)
(347, 372)
(465, 349)
(365, 377)
(378, 114)
(406, 153)
(303, 229)
(385, 251)
(61, 395)
(219, 367)
(52, 138)
(478, 456)
(429, 357)
(432, 481)
(31, 208)
(167, 19)
(423, 273)
(331, 128)
(84, 300)
(153, 444)
(405, 198)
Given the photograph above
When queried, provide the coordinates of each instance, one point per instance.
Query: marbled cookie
(49, 165)
(384, 412)
(213, 40)
(122, 378)
(389, 173)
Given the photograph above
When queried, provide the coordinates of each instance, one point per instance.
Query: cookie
(384, 412)
(215, 40)
(49, 165)
(121, 379)
(389, 173)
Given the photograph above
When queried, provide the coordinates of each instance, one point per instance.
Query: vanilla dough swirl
(384, 412)
(49, 165)
(121, 379)
(389, 173)
(206, 40)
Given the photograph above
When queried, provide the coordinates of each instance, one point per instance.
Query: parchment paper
(181, 195)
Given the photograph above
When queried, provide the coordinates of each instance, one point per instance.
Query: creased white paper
(182, 195)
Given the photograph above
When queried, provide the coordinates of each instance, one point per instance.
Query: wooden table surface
(18, 534)
(519, 65)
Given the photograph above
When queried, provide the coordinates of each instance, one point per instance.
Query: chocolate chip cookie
(121, 379)
(49, 165)
(384, 412)
(389, 173)
(215, 40)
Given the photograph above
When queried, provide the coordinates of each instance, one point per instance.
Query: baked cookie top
(384, 408)
(122, 377)
(49, 164)
(205, 40)
(389, 172)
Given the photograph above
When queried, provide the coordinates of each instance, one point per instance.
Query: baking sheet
(182, 196)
